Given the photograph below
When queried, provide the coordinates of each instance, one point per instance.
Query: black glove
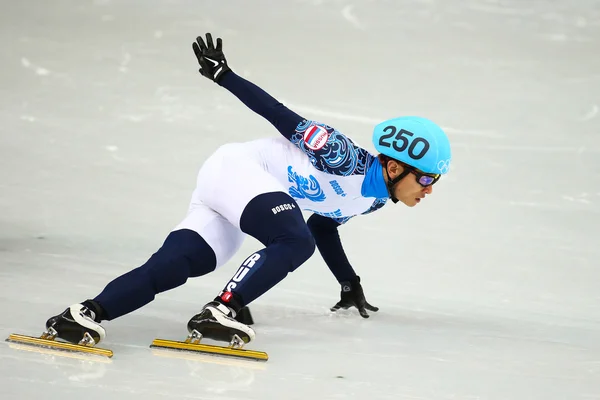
(352, 295)
(211, 59)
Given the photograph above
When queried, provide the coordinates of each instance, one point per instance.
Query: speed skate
(76, 327)
(192, 344)
(216, 322)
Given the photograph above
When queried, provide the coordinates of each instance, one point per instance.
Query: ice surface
(490, 289)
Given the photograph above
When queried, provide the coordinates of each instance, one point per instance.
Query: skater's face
(408, 190)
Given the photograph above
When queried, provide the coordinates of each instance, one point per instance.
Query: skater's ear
(394, 168)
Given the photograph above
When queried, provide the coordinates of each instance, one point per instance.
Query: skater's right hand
(211, 59)
(352, 295)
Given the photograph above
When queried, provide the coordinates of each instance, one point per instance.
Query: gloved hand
(211, 59)
(352, 295)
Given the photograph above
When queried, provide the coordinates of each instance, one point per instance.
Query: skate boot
(76, 325)
(216, 321)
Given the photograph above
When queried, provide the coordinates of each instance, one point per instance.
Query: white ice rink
(490, 289)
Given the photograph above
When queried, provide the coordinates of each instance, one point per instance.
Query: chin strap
(392, 182)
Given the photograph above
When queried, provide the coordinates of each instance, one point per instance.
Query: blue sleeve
(327, 239)
(328, 149)
(259, 101)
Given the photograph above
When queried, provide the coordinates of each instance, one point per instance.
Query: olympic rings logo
(443, 166)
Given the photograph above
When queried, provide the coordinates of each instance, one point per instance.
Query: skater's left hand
(352, 295)
(210, 57)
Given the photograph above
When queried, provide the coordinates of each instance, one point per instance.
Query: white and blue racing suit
(323, 170)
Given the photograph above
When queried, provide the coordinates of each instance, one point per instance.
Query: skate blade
(210, 349)
(53, 344)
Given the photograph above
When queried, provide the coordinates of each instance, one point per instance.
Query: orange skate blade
(210, 349)
(53, 344)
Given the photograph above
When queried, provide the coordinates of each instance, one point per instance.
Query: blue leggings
(273, 218)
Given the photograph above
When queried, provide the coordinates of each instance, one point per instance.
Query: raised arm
(213, 66)
(259, 101)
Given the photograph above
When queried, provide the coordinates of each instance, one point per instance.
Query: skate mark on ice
(591, 114)
(583, 198)
(534, 205)
(113, 152)
(501, 10)
(563, 38)
(350, 17)
(528, 149)
(374, 121)
(135, 117)
(80, 260)
(37, 69)
(125, 60)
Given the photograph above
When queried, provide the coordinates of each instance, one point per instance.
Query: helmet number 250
(401, 142)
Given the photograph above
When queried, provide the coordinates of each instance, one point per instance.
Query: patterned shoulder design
(329, 150)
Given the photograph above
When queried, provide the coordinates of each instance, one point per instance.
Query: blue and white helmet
(414, 141)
